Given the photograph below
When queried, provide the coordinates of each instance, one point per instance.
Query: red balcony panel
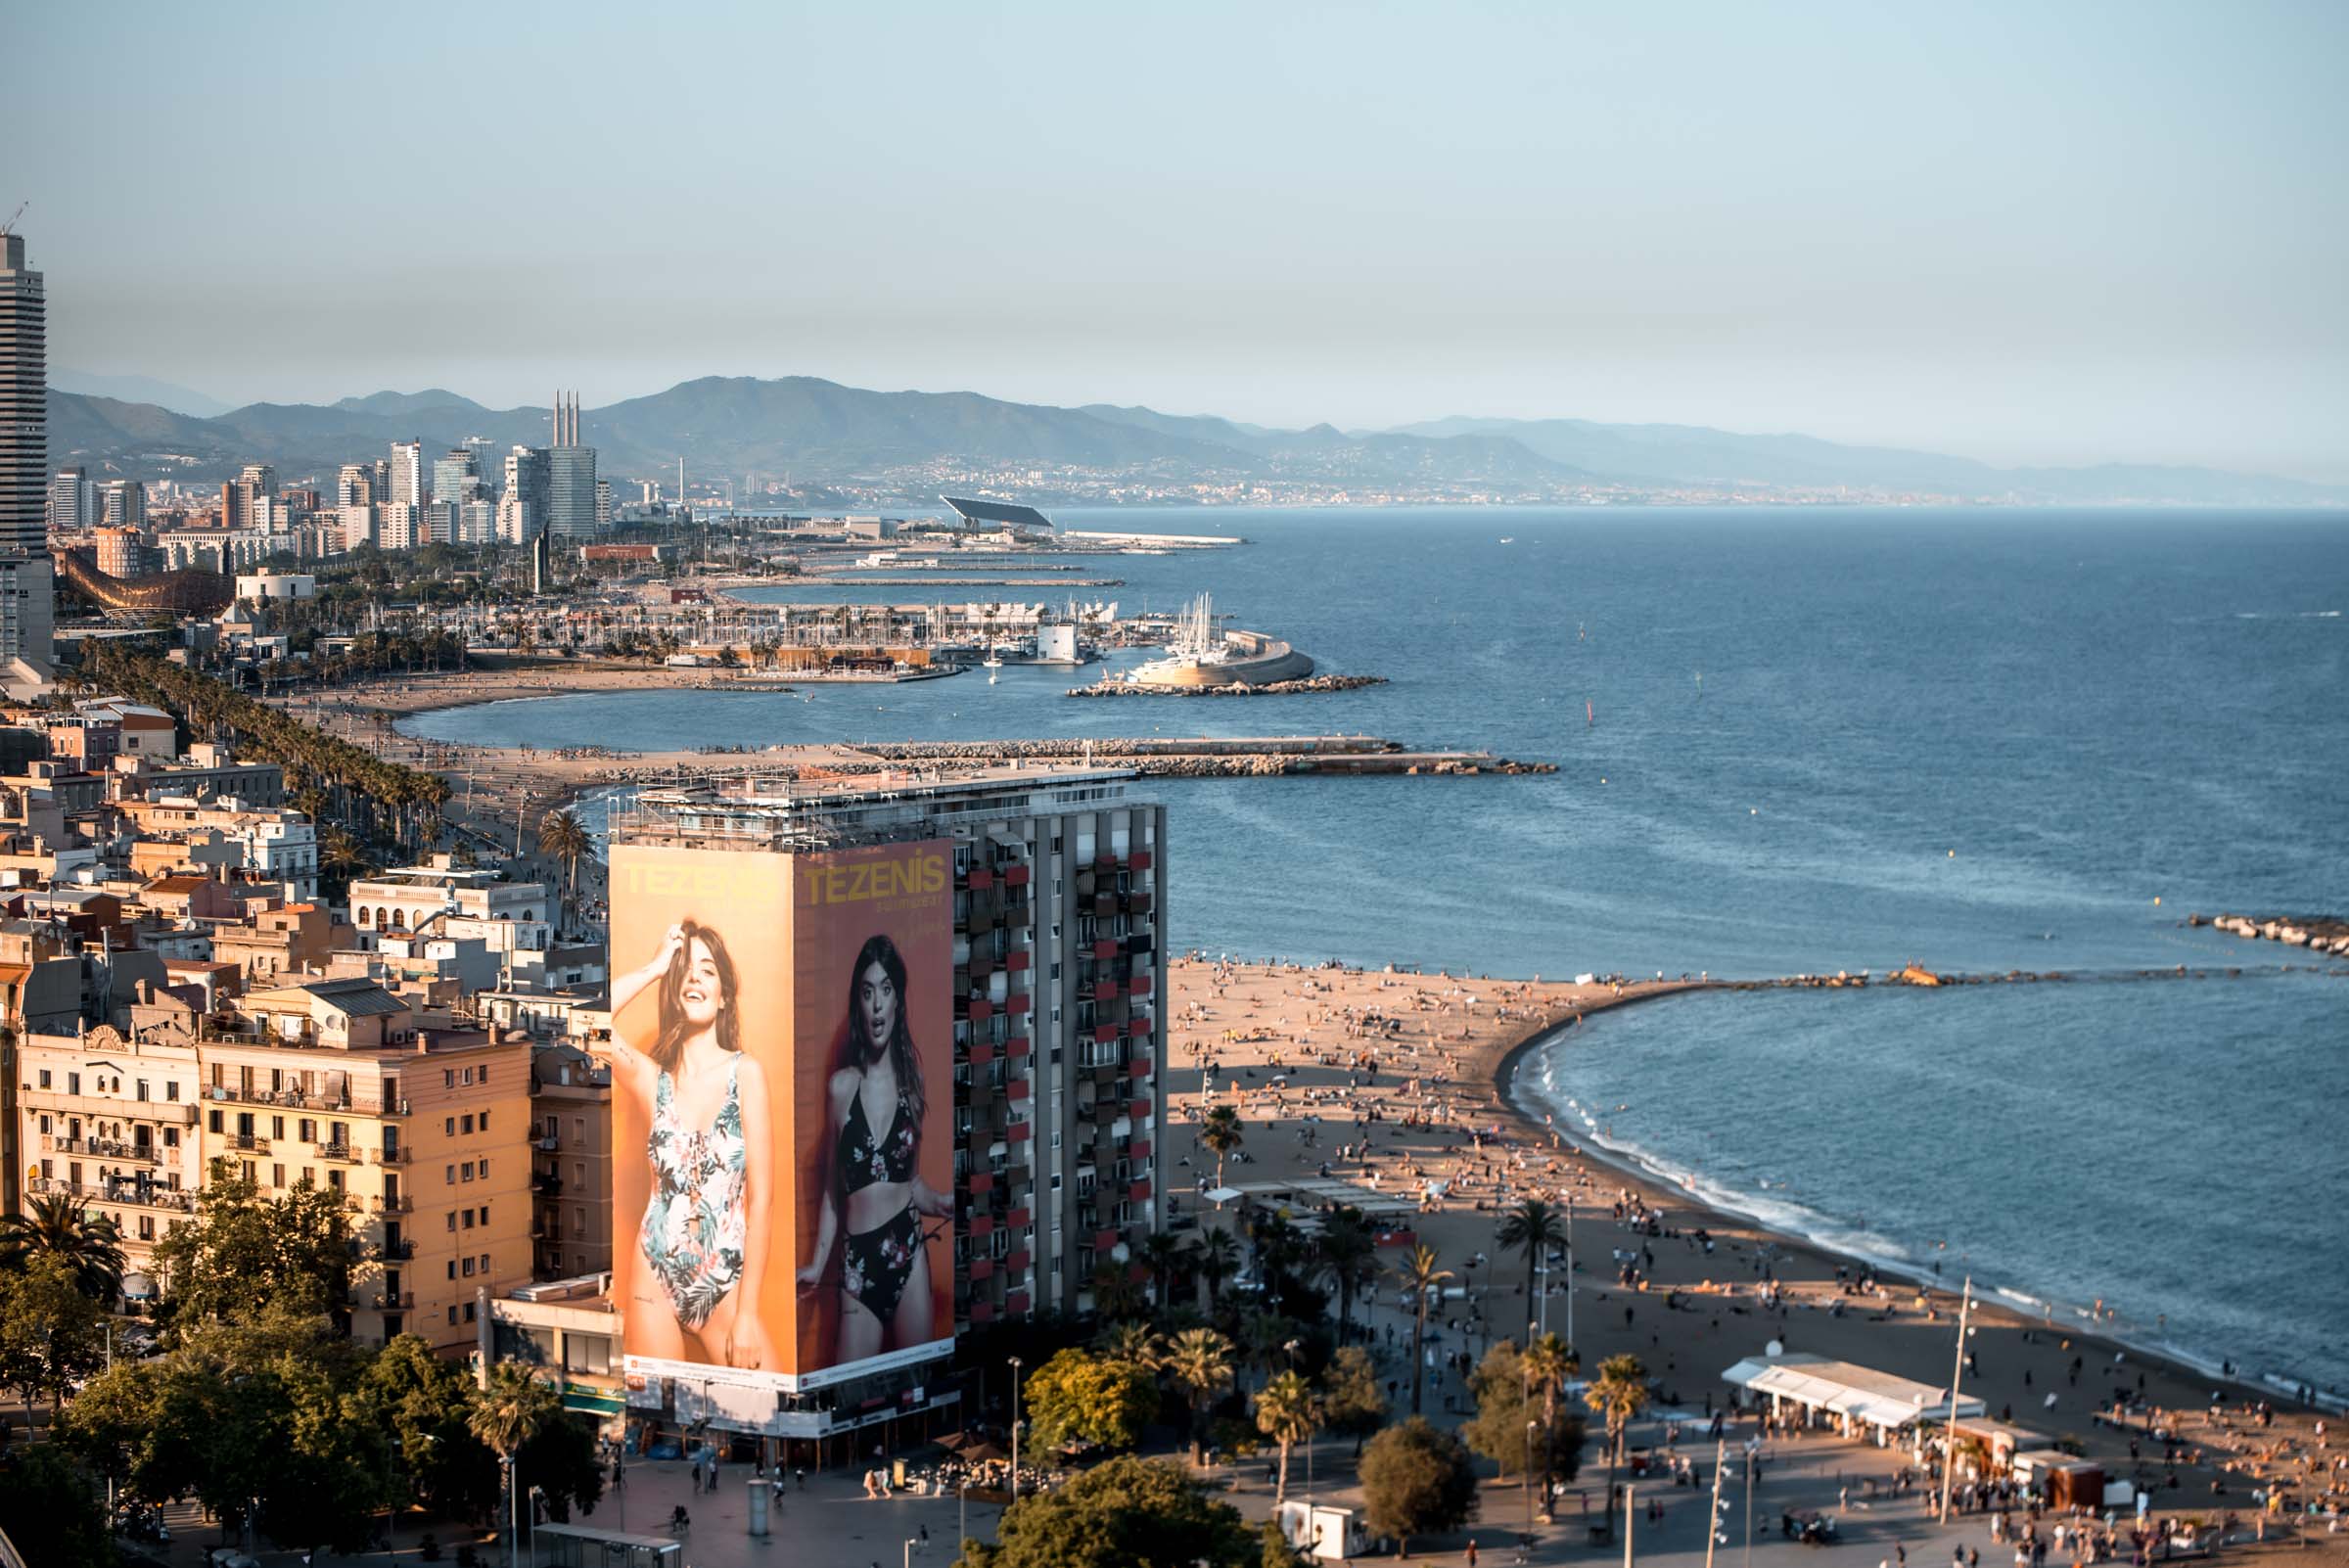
(1103, 1033)
(981, 1181)
(1016, 961)
(1105, 861)
(1016, 876)
(1106, 947)
(1020, 1132)
(982, 1009)
(1018, 1261)
(981, 1267)
(1015, 1046)
(1017, 1089)
(1140, 986)
(982, 1053)
(1141, 1111)
(981, 1224)
(1103, 1240)
(1137, 1147)
(982, 879)
(1139, 860)
(983, 1310)
(1020, 1006)
(1017, 1219)
(1016, 1302)
(1139, 1190)
(1138, 1028)
(1106, 991)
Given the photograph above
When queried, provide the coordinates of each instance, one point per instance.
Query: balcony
(397, 1251)
(546, 1183)
(392, 1203)
(247, 1142)
(398, 1156)
(132, 1193)
(103, 1148)
(548, 1144)
(395, 1301)
(340, 1153)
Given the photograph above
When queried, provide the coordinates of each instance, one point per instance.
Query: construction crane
(10, 227)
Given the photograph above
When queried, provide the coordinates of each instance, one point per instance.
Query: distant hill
(824, 434)
(138, 390)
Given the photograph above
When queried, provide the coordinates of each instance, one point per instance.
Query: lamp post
(1015, 1428)
(1531, 1427)
(1570, 1271)
(911, 1543)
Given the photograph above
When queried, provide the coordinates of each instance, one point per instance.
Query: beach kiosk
(1858, 1400)
(1322, 1531)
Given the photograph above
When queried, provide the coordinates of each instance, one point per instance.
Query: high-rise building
(121, 552)
(68, 505)
(522, 509)
(457, 477)
(1002, 929)
(407, 474)
(570, 476)
(355, 486)
(122, 504)
(603, 506)
(28, 597)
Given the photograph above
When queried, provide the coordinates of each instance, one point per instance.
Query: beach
(1291, 1048)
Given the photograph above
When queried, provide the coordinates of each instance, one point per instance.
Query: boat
(992, 661)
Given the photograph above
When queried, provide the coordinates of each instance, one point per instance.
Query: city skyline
(2019, 237)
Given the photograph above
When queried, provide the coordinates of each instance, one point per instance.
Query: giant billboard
(782, 1076)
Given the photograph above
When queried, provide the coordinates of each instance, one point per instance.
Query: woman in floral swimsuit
(871, 1172)
(702, 1248)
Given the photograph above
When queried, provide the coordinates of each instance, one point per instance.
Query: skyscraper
(570, 476)
(28, 602)
(122, 503)
(521, 510)
(69, 508)
(407, 475)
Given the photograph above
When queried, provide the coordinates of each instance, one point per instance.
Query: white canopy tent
(1843, 1388)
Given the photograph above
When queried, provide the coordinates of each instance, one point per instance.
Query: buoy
(1953, 854)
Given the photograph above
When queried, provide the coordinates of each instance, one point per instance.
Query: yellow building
(110, 1121)
(426, 1131)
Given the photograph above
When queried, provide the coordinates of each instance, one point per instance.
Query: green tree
(1079, 1397)
(1510, 1426)
(247, 1252)
(1533, 1227)
(1416, 1481)
(508, 1413)
(1137, 1344)
(1348, 1257)
(1352, 1401)
(52, 1335)
(50, 1511)
(1221, 1135)
(1199, 1361)
(1128, 1513)
(1288, 1412)
(1420, 1276)
(1218, 1261)
(1548, 1362)
(54, 1224)
(1116, 1292)
(1619, 1392)
(426, 1404)
(1161, 1252)
(562, 838)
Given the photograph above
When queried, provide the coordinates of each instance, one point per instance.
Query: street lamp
(1291, 1346)
(1531, 1427)
(1015, 1428)
(911, 1543)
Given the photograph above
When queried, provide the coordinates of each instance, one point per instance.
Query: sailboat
(1589, 713)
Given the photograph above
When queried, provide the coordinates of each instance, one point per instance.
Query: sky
(2028, 233)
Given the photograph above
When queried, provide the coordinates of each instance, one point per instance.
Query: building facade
(28, 596)
(111, 1120)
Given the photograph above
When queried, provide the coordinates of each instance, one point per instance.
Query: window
(448, 1080)
(465, 1123)
(73, 1082)
(484, 1263)
(451, 1179)
(467, 1219)
(172, 1089)
(484, 1121)
(277, 1175)
(451, 1218)
(484, 1213)
(469, 1268)
(453, 1269)
(452, 1312)
(44, 1078)
(467, 1170)
(141, 1090)
(449, 1128)
(469, 1312)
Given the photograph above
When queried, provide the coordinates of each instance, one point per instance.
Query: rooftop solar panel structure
(998, 512)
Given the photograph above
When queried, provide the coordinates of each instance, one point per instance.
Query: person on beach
(869, 1172)
(703, 1241)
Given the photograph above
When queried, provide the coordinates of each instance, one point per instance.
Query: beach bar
(1854, 1396)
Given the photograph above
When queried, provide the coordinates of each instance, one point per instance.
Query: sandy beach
(1292, 1048)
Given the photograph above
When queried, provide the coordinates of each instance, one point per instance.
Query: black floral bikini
(875, 1262)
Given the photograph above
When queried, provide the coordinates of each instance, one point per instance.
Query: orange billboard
(782, 1057)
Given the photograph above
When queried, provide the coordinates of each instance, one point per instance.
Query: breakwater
(2315, 932)
(1112, 686)
(1170, 757)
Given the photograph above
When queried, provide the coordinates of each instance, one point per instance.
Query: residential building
(571, 1161)
(522, 509)
(456, 901)
(122, 504)
(409, 477)
(110, 1119)
(121, 550)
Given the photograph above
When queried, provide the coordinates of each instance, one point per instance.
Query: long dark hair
(850, 1050)
(668, 1041)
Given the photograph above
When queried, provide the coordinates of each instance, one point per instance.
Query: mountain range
(821, 435)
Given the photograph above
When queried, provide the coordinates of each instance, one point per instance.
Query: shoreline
(1501, 1067)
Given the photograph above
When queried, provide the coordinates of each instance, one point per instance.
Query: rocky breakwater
(1221, 756)
(2315, 932)
(1108, 686)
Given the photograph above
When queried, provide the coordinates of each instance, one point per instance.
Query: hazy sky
(2039, 232)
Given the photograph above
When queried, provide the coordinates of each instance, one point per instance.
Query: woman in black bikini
(870, 1175)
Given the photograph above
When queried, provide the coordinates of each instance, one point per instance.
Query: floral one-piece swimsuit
(694, 1221)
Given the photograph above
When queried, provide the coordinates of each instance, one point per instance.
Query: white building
(266, 586)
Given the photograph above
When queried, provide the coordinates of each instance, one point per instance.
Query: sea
(1794, 741)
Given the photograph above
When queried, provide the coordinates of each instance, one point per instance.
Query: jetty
(1214, 757)
(2316, 932)
(1116, 686)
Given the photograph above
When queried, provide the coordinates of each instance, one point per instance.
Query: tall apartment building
(110, 1121)
(28, 595)
(70, 502)
(408, 485)
(1055, 980)
(522, 509)
(571, 1163)
(424, 1131)
(354, 485)
(121, 552)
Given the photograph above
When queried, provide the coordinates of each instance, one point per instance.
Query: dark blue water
(1822, 740)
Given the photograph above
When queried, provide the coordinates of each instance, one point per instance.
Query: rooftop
(1007, 513)
(869, 807)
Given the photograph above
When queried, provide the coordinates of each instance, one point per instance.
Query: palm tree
(1221, 1135)
(1161, 1252)
(1266, 1338)
(1218, 1261)
(1548, 1362)
(1422, 1278)
(1534, 1227)
(1619, 1392)
(507, 1413)
(1200, 1363)
(562, 838)
(1288, 1412)
(53, 1223)
(1348, 1257)
(1115, 1293)
(1137, 1343)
